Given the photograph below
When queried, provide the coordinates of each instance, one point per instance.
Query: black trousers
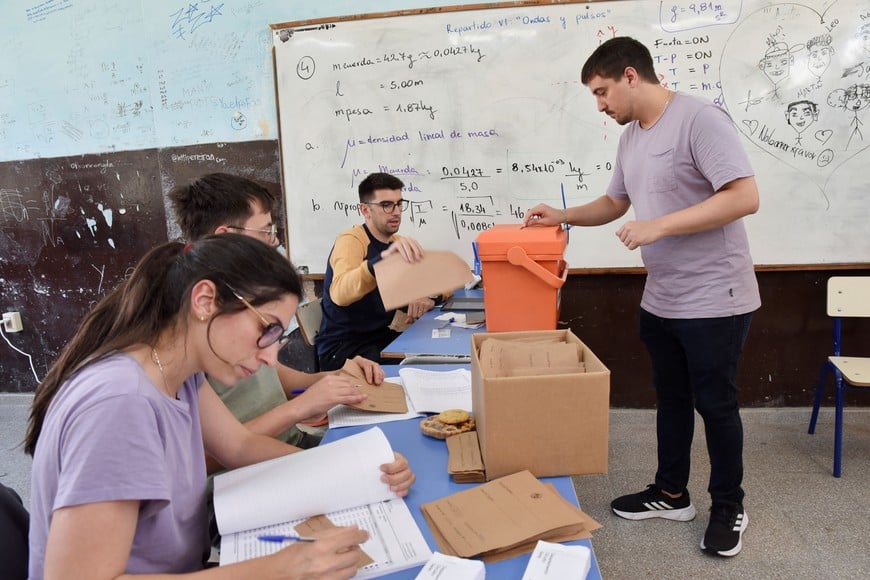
(694, 365)
(369, 346)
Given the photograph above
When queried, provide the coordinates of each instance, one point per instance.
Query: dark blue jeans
(694, 364)
(368, 346)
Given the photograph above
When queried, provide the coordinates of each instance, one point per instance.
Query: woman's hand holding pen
(398, 475)
(334, 556)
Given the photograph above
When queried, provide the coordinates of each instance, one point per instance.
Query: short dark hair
(795, 104)
(612, 57)
(216, 199)
(821, 40)
(376, 181)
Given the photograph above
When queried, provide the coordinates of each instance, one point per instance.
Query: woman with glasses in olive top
(118, 425)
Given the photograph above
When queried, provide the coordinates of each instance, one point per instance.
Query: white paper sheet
(443, 567)
(395, 542)
(456, 319)
(552, 561)
(436, 391)
(334, 476)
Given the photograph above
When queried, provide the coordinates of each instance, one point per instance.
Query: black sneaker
(652, 503)
(725, 530)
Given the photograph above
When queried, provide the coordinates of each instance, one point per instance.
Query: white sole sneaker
(744, 522)
(659, 510)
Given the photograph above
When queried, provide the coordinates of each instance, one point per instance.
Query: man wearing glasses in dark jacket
(354, 319)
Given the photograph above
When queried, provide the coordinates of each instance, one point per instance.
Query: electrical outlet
(12, 322)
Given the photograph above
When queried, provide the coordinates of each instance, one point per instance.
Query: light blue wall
(90, 76)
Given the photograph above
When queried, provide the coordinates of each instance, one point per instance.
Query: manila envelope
(589, 525)
(384, 398)
(400, 283)
(501, 358)
(500, 515)
(464, 463)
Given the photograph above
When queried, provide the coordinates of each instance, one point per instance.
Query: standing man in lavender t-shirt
(681, 165)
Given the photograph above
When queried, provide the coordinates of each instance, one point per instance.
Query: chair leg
(838, 424)
(820, 389)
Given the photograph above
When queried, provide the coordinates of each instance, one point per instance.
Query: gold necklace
(664, 108)
(156, 360)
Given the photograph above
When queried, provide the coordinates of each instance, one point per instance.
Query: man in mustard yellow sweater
(354, 319)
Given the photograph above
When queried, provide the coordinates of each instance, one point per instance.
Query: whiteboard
(481, 113)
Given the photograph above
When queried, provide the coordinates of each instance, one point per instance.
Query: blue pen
(476, 259)
(447, 322)
(564, 204)
(297, 391)
(285, 538)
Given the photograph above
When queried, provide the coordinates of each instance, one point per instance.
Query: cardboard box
(550, 424)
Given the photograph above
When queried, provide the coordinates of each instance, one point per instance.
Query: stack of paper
(532, 357)
(504, 518)
(464, 463)
(557, 562)
(437, 391)
(443, 567)
(342, 480)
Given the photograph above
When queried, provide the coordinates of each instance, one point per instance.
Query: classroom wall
(144, 95)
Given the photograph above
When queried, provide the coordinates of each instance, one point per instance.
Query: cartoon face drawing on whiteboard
(776, 64)
(855, 98)
(800, 115)
(863, 35)
(819, 54)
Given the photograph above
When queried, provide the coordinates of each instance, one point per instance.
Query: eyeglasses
(272, 332)
(272, 232)
(390, 206)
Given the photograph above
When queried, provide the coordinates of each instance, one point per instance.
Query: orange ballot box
(523, 273)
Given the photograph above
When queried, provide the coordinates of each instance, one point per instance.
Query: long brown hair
(155, 297)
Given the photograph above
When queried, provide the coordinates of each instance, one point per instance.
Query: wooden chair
(848, 296)
(308, 316)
